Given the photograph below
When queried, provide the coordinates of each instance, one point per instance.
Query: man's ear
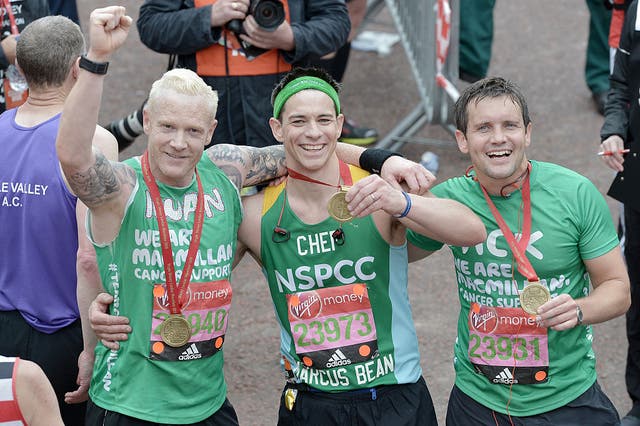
(276, 129)
(340, 121)
(75, 69)
(146, 121)
(527, 134)
(211, 130)
(461, 139)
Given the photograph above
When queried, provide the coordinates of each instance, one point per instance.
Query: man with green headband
(339, 283)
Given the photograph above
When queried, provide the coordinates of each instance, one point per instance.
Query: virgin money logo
(305, 305)
(483, 318)
(163, 298)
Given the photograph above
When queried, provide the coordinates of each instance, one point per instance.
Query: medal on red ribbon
(534, 294)
(176, 330)
(337, 205)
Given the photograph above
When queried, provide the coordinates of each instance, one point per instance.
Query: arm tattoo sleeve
(246, 166)
(267, 163)
(101, 182)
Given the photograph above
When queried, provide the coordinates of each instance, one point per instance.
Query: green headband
(304, 83)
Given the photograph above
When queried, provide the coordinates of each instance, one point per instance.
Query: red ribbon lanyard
(344, 174)
(517, 247)
(12, 20)
(175, 291)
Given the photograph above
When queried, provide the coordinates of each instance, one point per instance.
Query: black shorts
(591, 408)
(56, 353)
(97, 416)
(392, 405)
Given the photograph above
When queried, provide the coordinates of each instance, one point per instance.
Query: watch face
(579, 313)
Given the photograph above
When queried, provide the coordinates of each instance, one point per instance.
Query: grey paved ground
(539, 44)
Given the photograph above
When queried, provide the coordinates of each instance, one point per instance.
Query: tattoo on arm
(230, 159)
(267, 163)
(234, 175)
(247, 166)
(101, 182)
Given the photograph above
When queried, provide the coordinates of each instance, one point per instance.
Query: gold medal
(533, 296)
(176, 331)
(337, 206)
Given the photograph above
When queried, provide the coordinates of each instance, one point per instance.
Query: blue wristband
(406, 209)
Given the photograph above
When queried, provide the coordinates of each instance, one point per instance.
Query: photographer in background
(212, 37)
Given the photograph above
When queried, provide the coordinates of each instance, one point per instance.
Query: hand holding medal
(337, 205)
(372, 193)
(533, 296)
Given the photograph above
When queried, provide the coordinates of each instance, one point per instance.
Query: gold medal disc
(176, 331)
(533, 296)
(337, 207)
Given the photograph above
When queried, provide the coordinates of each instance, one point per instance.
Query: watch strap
(579, 314)
(93, 67)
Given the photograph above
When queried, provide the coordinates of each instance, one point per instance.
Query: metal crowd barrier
(428, 30)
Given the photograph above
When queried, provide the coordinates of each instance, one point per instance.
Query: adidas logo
(338, 359)
(505, 377)
(192, 352)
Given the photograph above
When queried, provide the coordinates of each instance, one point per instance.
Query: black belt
(368, 394)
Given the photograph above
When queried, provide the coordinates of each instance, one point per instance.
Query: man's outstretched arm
(247, 166)
(95, 180)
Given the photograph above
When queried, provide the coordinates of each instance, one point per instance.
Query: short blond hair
(185, 82)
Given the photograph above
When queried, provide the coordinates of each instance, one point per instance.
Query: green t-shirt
(146, 378)
(343, 309)
(498, 343)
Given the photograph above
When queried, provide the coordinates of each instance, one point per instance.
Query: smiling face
(178, 127)
(495, 139)
(309, 130)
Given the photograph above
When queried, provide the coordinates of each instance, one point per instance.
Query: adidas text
(191, 353)
(505, 377)
(338, 359)
(338, 363)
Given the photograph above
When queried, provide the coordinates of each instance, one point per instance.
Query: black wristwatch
(93, 67)
(579, 314)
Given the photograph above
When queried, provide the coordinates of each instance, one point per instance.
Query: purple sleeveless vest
(38, 230)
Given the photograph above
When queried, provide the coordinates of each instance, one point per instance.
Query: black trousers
(593, 407)
(97, 416)
(632, 257)
(394, 405)
(56, 353)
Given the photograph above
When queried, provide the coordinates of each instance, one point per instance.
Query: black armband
(99, 68)
(372, 159)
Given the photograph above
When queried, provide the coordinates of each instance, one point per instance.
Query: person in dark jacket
(239, 48)
(621, 132)
(12, 20)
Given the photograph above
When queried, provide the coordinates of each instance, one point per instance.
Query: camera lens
(269, 14)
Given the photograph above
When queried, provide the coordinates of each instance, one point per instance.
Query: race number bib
(206, 310)
(507, 346)
(333, 327)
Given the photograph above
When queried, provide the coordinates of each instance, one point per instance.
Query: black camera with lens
(269, 14)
